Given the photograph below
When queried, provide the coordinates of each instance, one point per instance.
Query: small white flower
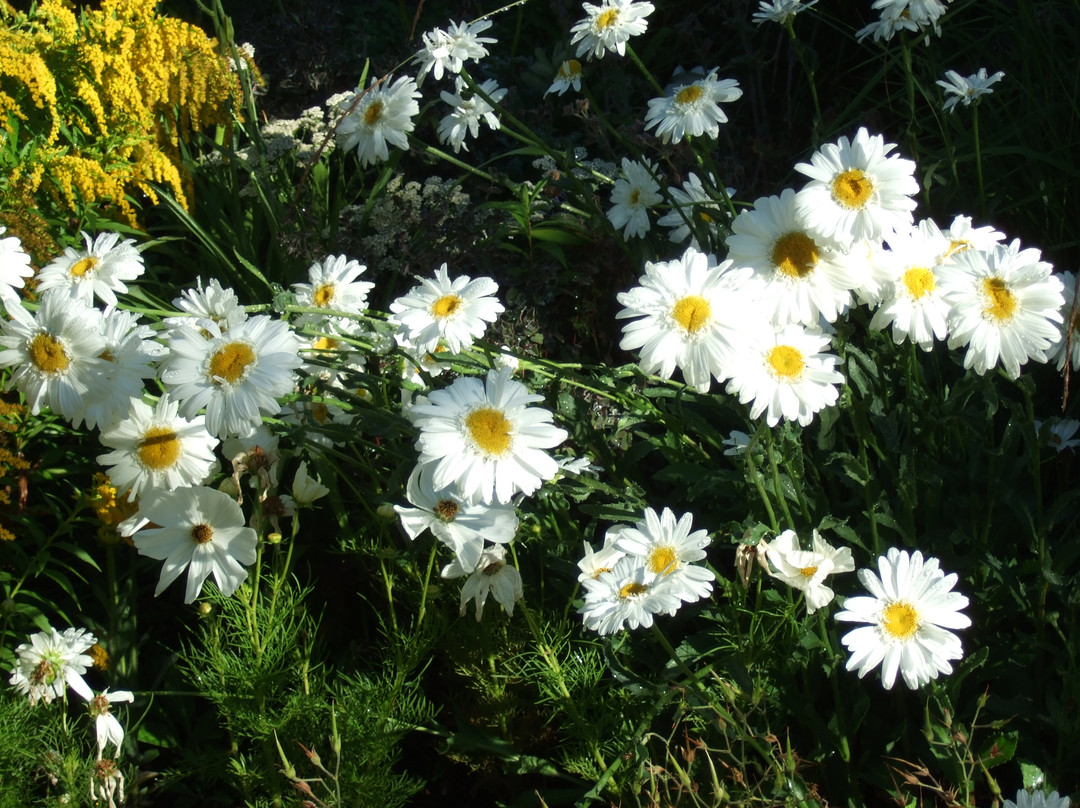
(457, 311)
(779, 11)
(691, 106)
(449, 50)
(595, 562)
(1038, 799)
(967, 90)
(667, 548)
(52, 662)
(333, 285)
(608, 26)
(806, 570)
(1059, 435)
(628, 595)
(634, 193)
(210, 302)
(107, 729)
(469, 110)
(493, 576)
(381, 115)
(129, 357)
(692, 204)
(912, 300)
(305, 489)
(100, 269)
(568, 75)
(14, 265)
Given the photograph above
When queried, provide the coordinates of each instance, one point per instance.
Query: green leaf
(999, 749)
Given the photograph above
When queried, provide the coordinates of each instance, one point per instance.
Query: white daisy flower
(1006, 306)
(1067, 347)
(384, 114)
(628, 595)
(567, 76)
(457, 311)
(909, 613)
(608, 26)
(130, 353)
(237, 375)
(52, 662)
(468, 112)
(806, 570)
(1037, 799)
(785, 373)
(668, 550)
(961, 90)
(595, 562)
(856, 190)
(693, 312)
(461, 525)
(106, 728)
(962, 236)
(333, 285)
(210, 302)
(200, 530)
(305, 489)
(912, 301)
(156, 448)
(779, 11)
(691, 106)
(14, 265)
(1059, 435)
(692, 203)
(801, 277)
(491, 576)
(56, 353)
(485, 438)
(449, 50)
(634, 193)
(100, 269)
(908, 15)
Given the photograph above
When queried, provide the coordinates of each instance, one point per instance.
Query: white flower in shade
(967, 90)
(237, 375)
(1059, 435)
(469, 110)
(801, 277)
(106, 728)
(567, 76)
(779, 11)
(130, 353)
(14, 265)
(906, 15)
(692, 204)
(634, 193)
(857, 190)
(1006, 306)
(1067, 347)
(1038, 799)
(106, 782)
(691, 106)
(100, 269)
(667, 549)
(256, 454)
(806, 570)
(448, 50)
(786, 373)
(608, 26)
(457, 311)
(595, 562)
(737, 443)
(52, 662)
(483, 437)
(210, 302)
(156, 448)
(333, 285)
(491, 576)
(381, 115)
(912, 301)
(459, 524)
(909, 612)
(692, 314)
(305, 489)
(56, 352)
(628, 595)
(200, 530)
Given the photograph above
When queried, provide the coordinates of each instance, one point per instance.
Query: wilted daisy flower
(483, 437)
(100, 269)
(691, 106)
(156, 448)
(210, 302)
(106, 782)
(130, 353)
(909, 611)
(779, 11)
(457, 311)
(52, 662)
(668, 549)
(468, 113)
(460, 525)
(1005, 306)
(449, 50)
(801, 277)
(384, 114)
(628, 595)
(856, 190)
(785, 373)
(806, 570)
(692, 313)
(567, 76)
(106, 728)
(608, 26)
(634, 193)
(237, 375)
(492, 575)
(912, 301)
(692, 204)
(55, 351)
(1067, 347)
(14, 265)
(200, 530)
(961, 90)
(1038, 799)
(333, 285)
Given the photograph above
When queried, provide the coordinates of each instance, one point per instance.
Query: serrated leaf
(999, 749)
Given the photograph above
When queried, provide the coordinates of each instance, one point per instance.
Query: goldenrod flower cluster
(94, 108)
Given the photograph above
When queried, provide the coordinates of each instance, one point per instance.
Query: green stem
(800, 53)
(770, 450)
(427, 581)
(755, 478)
(644, 70)
(978, 157)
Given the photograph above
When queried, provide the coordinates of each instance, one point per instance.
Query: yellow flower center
(692, 312)
(323, 295)
(446, 509)
(490, 430)
(231, 362)
(84, 266)
(319, 413)
(786, 362)
(570, 69)
(1002, 302)
(49, 354)
(599, 572)
(373, 113)
(325, 344)
(808, 572)
(795, 255)
(635, 197)
(688, 95)
(705, 217)
(900, 620)
(663, 560)
(919, 281)
(632, 588)
(159, 448)
(202, 533)
(851, 189)
(99, 705)
(446, 306)
(607, 18)
(44, 673)
(956, 246)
